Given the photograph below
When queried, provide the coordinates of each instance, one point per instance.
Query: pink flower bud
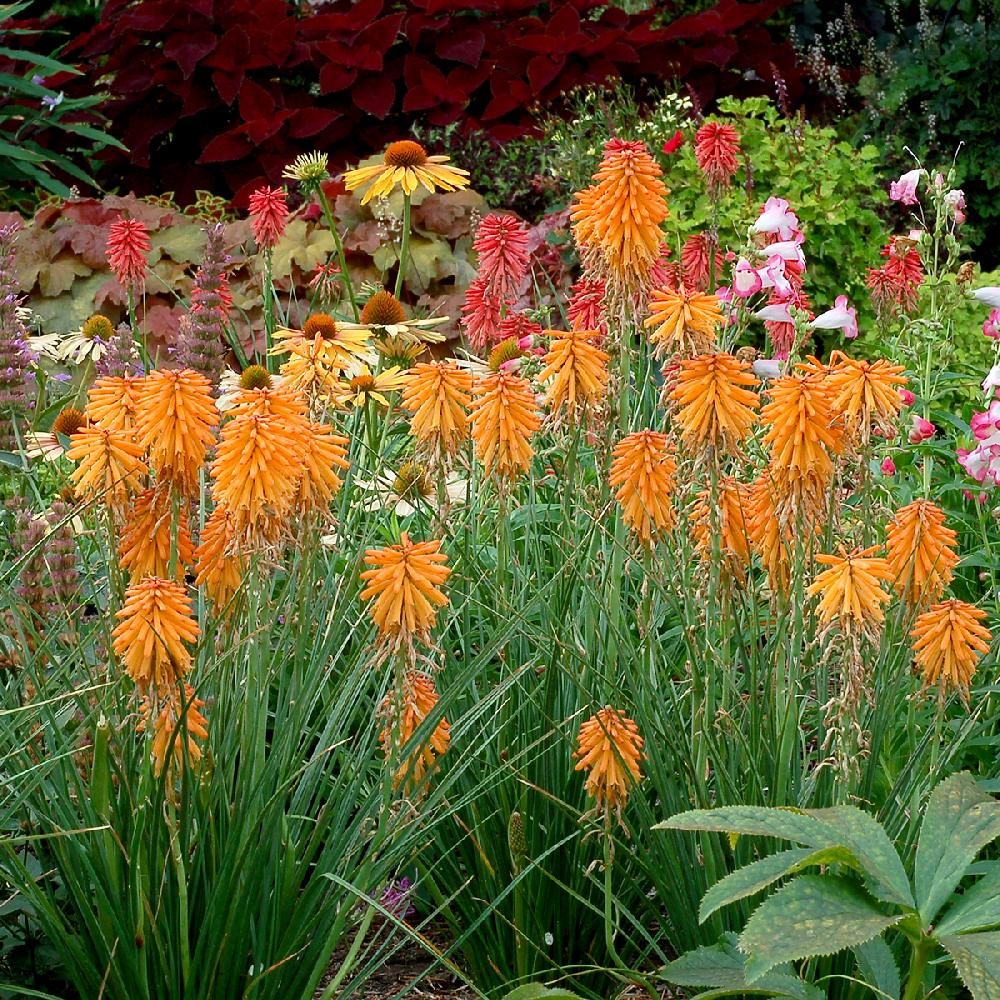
(908, 398)
(888, 467)
(921, 430)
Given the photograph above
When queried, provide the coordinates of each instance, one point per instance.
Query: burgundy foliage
(222, 94)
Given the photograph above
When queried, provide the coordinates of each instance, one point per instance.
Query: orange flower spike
(642, 473)
(168, 750)
(325, 453)
(504, 416)
(111, 465)
(682, 321)
(768, 537)
(801, 435)
(112, 402)
(948, 639)
(922, 552)
(850, 590)
(609, 748)
(730, 521)
(155, 623)
(577, 369)
(402, 584)
(865, 394)
(438, 394)
(417, 702)
(715, 403)
(145, 545)
(218, 567)
(175, 422)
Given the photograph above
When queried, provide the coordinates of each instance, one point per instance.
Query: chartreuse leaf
(960, 820)
(760, 874)
(764, 821)
(720, 967)
(976, 909)
(977, 959)
(536, 991)
(864, 837)
(878, 968)
(812, 915)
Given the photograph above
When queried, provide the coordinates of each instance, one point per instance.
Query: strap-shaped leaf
(878, 968)
(764, 821)
(960, 820)
(721, 967)
(864, 836)
(760, 874)
(812, 915)
(976, 909)
(977, 959)
(536, 991)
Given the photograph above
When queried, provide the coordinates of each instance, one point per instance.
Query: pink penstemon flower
(840, 317)
(904, 190)
(777, 217)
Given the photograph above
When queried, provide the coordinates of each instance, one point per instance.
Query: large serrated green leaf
(959, 821)
(878, 968)
(812, 915)
(760, 874)
(976, 909)
(764, 821)
(864, 836)
(721, 967)
(977, 959)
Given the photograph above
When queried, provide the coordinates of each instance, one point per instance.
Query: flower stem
(918, 963)
(404, 250)
(345, 276)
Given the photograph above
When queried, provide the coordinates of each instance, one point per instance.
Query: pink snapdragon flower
(777, 217)
(840, 317)
(746, 280)
(986, 425)
(982, 463)
(772, 275)
(921, 429)
(955, 201)
(904, 190)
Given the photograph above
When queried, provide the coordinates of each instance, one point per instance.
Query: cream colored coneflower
(49, 445)
(154, 625)
(504, 417)
(361, 385)
(384, 314)
(406, 165)
(148, 538)
(642, 474)
(309, 169)
(577, 370)
(948, 639)
(319, 352)
(609, 749)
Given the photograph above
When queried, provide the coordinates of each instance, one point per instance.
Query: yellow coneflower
(402, 584)
(177, 727)
(619, 217)
(642, 473)
(324, 454)
(921, 551)
(801, 435)
(864, 394)
(504, 417)
(438, 394)
(399, 351)
(404, 712)
(502, 354)
(384, 313)
(155, 622)
(728, 522)
(770, 538)
(948, 639)
(218, 566)
(578, 371)
(715, 404)
(319, 352)
(175, 421)
(112, 402)
(361, 385)
(257, 469)
(850, 591)
(145, 545)
(682, 322)
(309, 169)
(111, 465)
(406, 165)
(609, 748)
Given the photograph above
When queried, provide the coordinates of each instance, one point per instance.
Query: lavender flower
(49, 577)
(15, 357)
(61, 559)
(28, 539)
(396, 898)
(121, 358)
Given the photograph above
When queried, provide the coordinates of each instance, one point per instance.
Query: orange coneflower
(404, 712)
(715, 404)
(850, 591)
(156, 621)
(175, 720)
(504, 416)
(577, 369)
(947, 639)
(405, 164)
(320, 352)
(257, 469)
(113, 401)
(437, 393)
(801, 434)
(176, 421)
(325, 452)
(145, 545)
(728, 523)
(609, 748)
(864, 394)
(921, 552)
(403, 582)
(642, 472)
(619, 217)
(218, 566)
(682, 322)
(111, 464)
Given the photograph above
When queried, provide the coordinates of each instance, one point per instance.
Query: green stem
(269, 361)
(404, 250)
(352, 954)
(345, 276)
(918, 963)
